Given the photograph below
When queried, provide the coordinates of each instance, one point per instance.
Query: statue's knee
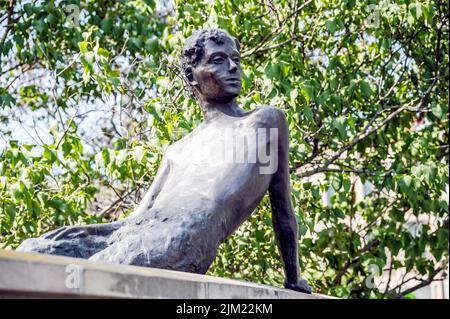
(34, 245)
(24, 245)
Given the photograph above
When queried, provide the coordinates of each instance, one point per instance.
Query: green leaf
(331, 26)
(50, 155)
(308, 92)
(365, 89)
(11, 210)
(347, 184)
(302, 229)
(440, 111)
(308, 113)
(107, 25)
(83, 46)
(104, 53)
(405, 183)
(336, 183)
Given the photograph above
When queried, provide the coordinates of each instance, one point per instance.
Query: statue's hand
(301, 285)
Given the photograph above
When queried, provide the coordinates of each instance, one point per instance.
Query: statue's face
(218, 74)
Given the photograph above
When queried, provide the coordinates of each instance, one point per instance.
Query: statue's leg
(132, 245)
(83, 231)
(160, 245)
(73, 241)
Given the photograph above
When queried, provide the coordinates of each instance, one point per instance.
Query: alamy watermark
(73, 15)
(373, 19)
(74, 276)
(374, 273)
(236, 146)
(388, 8)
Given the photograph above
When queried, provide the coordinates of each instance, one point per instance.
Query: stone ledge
(32, 275)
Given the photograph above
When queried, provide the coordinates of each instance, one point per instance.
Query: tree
(364, 86)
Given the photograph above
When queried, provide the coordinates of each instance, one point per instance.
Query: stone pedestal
(31, 275)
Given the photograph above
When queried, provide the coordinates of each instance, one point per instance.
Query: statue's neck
(213, 109)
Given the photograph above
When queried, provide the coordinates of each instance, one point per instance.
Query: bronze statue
(198, 198)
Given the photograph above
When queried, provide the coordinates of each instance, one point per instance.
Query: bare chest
(227, 145)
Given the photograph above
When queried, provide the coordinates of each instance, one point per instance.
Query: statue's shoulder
(270, 115)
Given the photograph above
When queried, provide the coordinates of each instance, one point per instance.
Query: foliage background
(88, 105)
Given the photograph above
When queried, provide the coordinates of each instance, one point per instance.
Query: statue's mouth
(234, 81)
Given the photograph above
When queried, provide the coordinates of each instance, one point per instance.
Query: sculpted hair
(194, 49)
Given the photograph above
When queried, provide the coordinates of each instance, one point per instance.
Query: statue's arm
(283, 217)
(156, 186)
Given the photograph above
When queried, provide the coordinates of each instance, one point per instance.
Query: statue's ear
(190, 76)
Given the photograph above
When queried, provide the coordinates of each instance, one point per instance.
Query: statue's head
(211, 65)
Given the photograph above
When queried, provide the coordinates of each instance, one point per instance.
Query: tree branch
(275, 31)
(8, 23)
(337, 280)
(423, 283)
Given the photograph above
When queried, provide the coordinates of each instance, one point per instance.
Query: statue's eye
(218, 60)
(237, 60)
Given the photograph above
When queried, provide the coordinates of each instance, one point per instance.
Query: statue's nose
(233, 66)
